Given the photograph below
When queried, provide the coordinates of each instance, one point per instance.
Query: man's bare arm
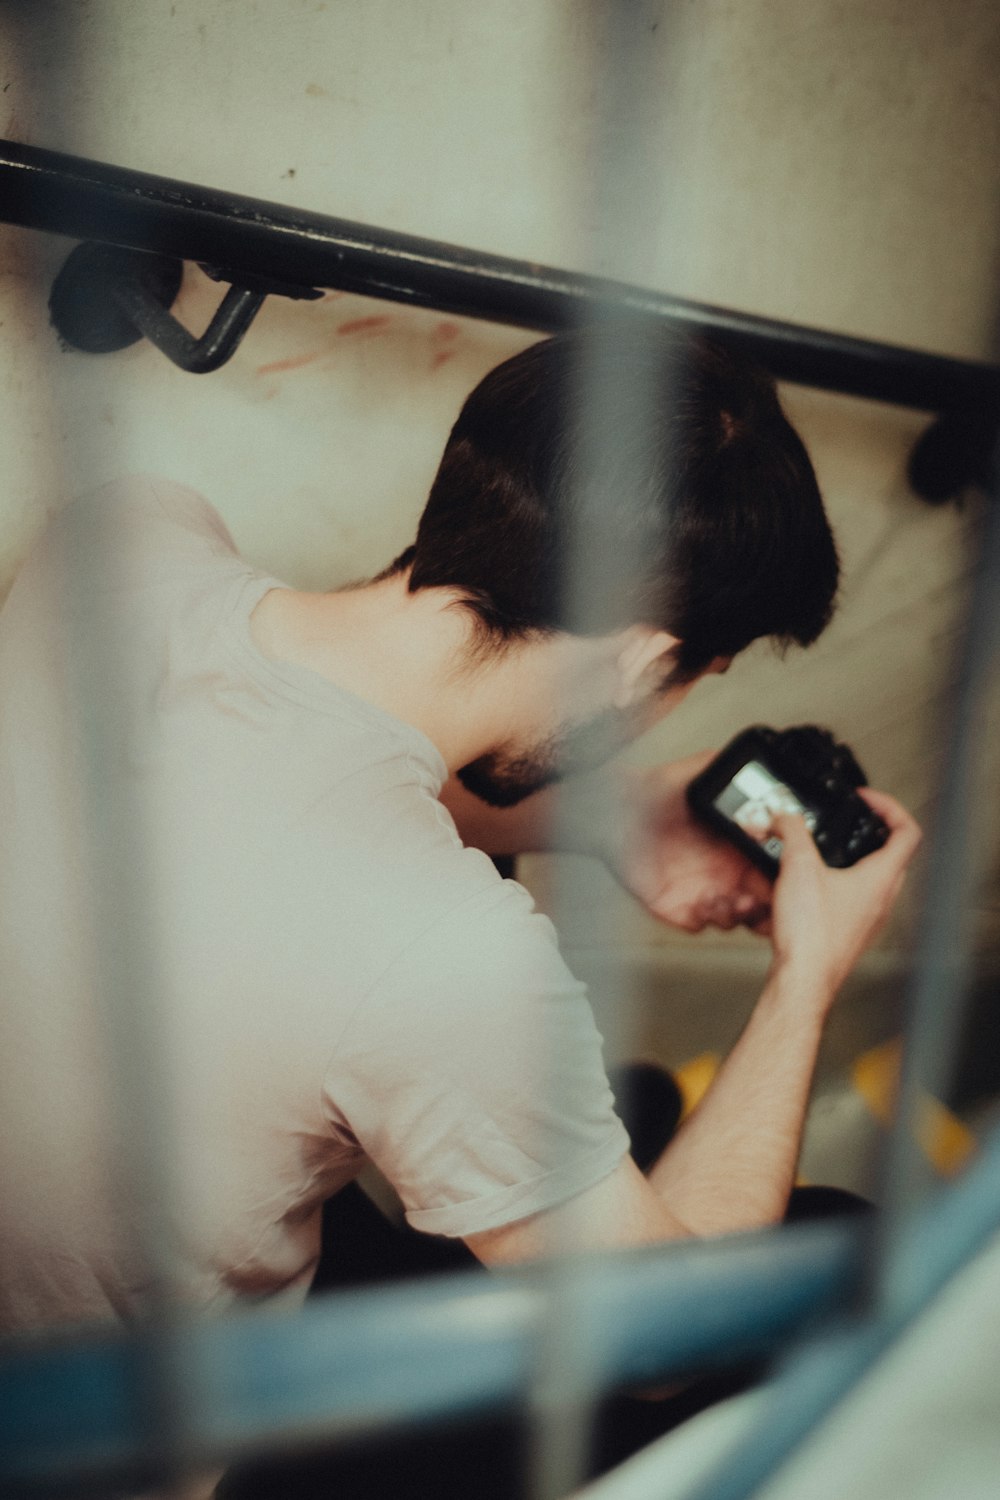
(730, 1168)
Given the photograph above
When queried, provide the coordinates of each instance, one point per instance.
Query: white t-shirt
(332, 977)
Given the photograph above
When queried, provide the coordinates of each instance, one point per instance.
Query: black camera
(803, 770)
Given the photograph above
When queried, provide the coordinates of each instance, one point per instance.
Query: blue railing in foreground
(367, 1361)
(357, 1362)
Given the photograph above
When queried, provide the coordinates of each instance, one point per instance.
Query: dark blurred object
(956, 452)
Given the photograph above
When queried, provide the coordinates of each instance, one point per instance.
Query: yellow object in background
(944, 1140)
(695, 1078)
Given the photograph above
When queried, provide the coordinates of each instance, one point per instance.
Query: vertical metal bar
(613, 422)
(115, 865)
(131, 1002)
(938, 994)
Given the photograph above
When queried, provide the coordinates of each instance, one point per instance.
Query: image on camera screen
(752, 799)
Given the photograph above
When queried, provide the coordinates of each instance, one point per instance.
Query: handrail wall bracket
(106, 298)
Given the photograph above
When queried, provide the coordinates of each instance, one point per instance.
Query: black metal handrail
(246, 238)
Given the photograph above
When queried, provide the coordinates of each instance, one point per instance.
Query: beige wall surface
(833, 162)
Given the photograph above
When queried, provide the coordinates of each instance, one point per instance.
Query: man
(342, 975)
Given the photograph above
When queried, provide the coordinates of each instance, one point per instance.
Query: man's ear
(644, 662)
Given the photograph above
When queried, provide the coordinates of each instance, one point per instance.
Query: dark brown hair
(728, 520)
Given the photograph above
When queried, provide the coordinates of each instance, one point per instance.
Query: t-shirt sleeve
(472, 1074)
(140, 532)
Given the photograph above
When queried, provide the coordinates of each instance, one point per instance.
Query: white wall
(832, 162)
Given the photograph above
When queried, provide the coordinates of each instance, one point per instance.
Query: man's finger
(798, 842)
(904, 831)
(892, 812)
(904, 834)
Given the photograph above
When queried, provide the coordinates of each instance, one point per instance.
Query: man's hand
(824, 919)
(681, 872)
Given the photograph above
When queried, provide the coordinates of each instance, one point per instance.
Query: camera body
(804, 769)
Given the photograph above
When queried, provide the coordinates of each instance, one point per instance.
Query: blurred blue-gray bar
(360, 1362)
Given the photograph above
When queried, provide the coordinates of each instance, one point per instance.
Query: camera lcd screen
(753, 797)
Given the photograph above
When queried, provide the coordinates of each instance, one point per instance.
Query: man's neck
(408, 654)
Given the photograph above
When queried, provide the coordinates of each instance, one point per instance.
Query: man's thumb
(798, 843)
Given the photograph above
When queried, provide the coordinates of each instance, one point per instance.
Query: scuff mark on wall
(444, 337)
(366, 325)
(294, 362)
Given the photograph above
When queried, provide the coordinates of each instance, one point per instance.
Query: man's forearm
(524, 829)
(534, 826)
(732, 1164)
